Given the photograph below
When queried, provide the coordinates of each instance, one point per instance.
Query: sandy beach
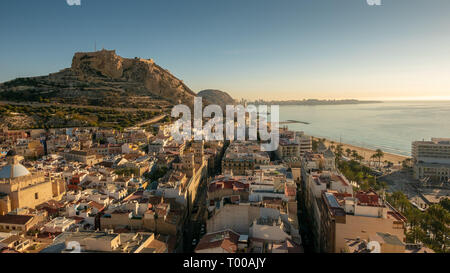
(367, 153)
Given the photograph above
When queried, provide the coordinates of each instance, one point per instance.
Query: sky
(252, 49)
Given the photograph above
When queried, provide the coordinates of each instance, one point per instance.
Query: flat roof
(15, 219)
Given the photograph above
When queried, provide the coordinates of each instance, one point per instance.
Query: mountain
(216, 97)
(103, 78)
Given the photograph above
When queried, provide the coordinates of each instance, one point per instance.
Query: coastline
(366, 152)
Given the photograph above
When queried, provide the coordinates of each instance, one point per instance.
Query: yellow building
(85, 157)
(20, 188)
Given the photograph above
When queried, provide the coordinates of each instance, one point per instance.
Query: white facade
(59, 224)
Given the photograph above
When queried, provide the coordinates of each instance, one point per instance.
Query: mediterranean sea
(390, 126)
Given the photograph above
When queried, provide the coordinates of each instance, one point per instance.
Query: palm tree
(379, 154)
(348, 152)
(406, 163)
(372, 158)
(354, 154)
(359, 158)
(389, 164)
(438, 224)
(416, 235)
(339, 151)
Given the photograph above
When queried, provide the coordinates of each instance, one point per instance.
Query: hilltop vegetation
(31, 117)
(99, 89)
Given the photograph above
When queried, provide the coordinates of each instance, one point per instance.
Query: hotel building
(432, 159)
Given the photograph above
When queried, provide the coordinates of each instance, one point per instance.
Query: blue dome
(18, 170)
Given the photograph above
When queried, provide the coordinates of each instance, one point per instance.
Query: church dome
(14, 169)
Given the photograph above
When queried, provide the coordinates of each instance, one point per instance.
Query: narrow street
(303, 221)
(195, 221)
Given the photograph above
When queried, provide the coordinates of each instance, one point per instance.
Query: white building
(59, 224)
(432, 159)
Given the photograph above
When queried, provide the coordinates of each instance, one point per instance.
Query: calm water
(390, 126)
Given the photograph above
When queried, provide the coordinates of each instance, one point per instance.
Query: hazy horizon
(389, 99)
(252, 49)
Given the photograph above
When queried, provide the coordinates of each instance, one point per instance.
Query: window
(36, 196)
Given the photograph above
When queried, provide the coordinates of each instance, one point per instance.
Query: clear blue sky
(285, 49)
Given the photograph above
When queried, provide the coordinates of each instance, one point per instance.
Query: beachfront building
(293, 145)
(288, 148)
(305, 142)
(431, 159)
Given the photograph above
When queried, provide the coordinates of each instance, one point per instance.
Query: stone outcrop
(103, 77)
(107, 64)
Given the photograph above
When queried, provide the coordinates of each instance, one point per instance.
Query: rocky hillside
(103, 78)
(216, 97)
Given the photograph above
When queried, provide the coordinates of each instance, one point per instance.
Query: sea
(390, 126)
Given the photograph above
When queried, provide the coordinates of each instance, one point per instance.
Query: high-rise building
(432, 159)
